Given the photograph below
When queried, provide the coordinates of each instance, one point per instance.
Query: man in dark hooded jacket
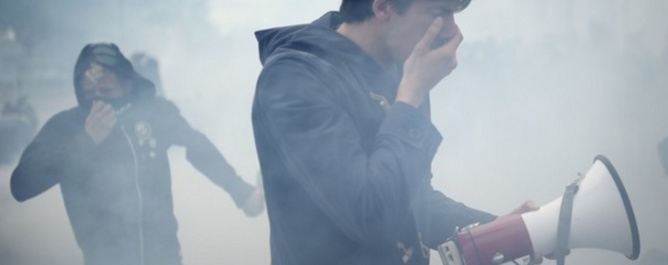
(342, 130)
(109, 155)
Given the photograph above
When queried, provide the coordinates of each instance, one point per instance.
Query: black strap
(564, 227)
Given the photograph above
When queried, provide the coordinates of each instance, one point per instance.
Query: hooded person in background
(148, 67)
(344, 138)
(109, 155)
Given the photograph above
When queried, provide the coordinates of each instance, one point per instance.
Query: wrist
(408, 94)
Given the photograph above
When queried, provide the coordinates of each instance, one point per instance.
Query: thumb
(424, 45)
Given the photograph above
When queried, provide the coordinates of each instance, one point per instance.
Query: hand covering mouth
(438, 42)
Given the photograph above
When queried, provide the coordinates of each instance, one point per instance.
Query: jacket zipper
(139, 195)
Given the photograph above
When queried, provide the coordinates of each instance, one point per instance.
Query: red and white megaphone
(601, 217)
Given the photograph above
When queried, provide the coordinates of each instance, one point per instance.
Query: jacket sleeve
(205, 157)
(439, 216)
(442, 215)
(46, 159)
(367, 194)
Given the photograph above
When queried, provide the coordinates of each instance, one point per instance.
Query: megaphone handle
(564, 227)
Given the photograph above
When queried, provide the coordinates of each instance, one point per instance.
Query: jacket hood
(110, 56)
(319, 37)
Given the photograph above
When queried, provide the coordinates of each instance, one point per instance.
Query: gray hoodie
(346, 172)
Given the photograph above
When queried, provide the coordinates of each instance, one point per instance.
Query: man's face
(101, 84)
(405, 30)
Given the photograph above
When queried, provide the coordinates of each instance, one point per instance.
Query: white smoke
(542, 87)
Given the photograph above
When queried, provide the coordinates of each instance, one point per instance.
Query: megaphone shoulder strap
(564, 227)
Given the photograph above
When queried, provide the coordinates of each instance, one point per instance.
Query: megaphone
(598, 215)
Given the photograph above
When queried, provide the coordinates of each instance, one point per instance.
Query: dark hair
(360, 10)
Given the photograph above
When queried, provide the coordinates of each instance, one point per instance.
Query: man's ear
(382, 9)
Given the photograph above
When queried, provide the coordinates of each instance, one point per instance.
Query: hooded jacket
(118, 193)
(346, 172)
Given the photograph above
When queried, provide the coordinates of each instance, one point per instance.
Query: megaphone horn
(601, 217)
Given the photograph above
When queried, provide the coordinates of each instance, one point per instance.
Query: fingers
(428, 64)
(449, 49)
(100, 121)
(424, 45)
(454, 42)
(527, 206)
(107, 112)
(100, 107)
(95, 106)
(102, 113)
(254, 205)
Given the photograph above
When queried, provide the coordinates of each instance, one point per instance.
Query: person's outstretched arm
(206, 158)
